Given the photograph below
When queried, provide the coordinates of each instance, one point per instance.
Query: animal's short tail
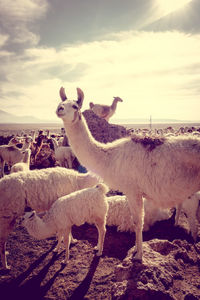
(102, 187)
(198, 212)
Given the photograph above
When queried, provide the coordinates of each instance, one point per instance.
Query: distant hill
(147, 121)
(6, 117)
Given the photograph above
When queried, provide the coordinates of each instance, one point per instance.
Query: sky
(146, 52)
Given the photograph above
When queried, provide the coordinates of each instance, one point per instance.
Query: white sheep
(105, 111)
(24, 165)
(165, 170)
(37, 189)
(86, 205)
(63, 155)
(119, 214)
(191, 207)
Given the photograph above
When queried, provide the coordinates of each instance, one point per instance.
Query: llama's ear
(91, 105)
(62, 94)
(80, 97)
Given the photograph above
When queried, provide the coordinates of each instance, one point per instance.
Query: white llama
(63, 154)
(24, 165)
(166, 171)
(86, 205)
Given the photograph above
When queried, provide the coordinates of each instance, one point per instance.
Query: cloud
(185, 20)
(155, 73)
(23, 10)
(17, 22)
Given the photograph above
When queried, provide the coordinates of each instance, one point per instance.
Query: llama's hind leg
(101, 227)
(72, 240)
(2, 165)
(137, 210)
(67, 239)
(60, 238)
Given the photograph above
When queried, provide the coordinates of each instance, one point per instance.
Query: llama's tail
(198, 212)
(102, 187)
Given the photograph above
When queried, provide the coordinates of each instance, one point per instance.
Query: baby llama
(86, 205)
(63, 154)
(24, 165)
(37, 189)
(165, 170)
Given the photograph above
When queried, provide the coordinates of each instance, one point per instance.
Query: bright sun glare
(168, 6)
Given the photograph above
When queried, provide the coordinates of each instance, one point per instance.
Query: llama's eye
(74, 106)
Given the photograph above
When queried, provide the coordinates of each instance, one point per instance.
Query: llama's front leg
(6, 226)
(137, 210)
(3, 254)
(101, 227)
(67, 238)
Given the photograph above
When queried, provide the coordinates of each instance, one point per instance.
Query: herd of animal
(154, 172)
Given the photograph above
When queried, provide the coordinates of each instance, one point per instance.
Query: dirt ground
(38, 273)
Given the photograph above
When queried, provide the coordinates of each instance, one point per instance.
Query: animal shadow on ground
(82, 289)
(24, 288)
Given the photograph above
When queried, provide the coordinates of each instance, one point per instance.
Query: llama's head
(29, 215)
(118, 99)
(91, 105)
(69, 110)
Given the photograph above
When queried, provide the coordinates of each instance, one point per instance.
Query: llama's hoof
(6, 268)
(137, 257)
(74, 241)
(55, 250)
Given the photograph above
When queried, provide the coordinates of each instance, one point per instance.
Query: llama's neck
(26, 158)
(55, 144)
(41, 229)
(114, 105)
(26, 145)
(89, 152)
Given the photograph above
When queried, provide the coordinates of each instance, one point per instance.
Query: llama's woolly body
(165, 171)
(191, 207)
(119, 214)
(87, 205)
(37, 189)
